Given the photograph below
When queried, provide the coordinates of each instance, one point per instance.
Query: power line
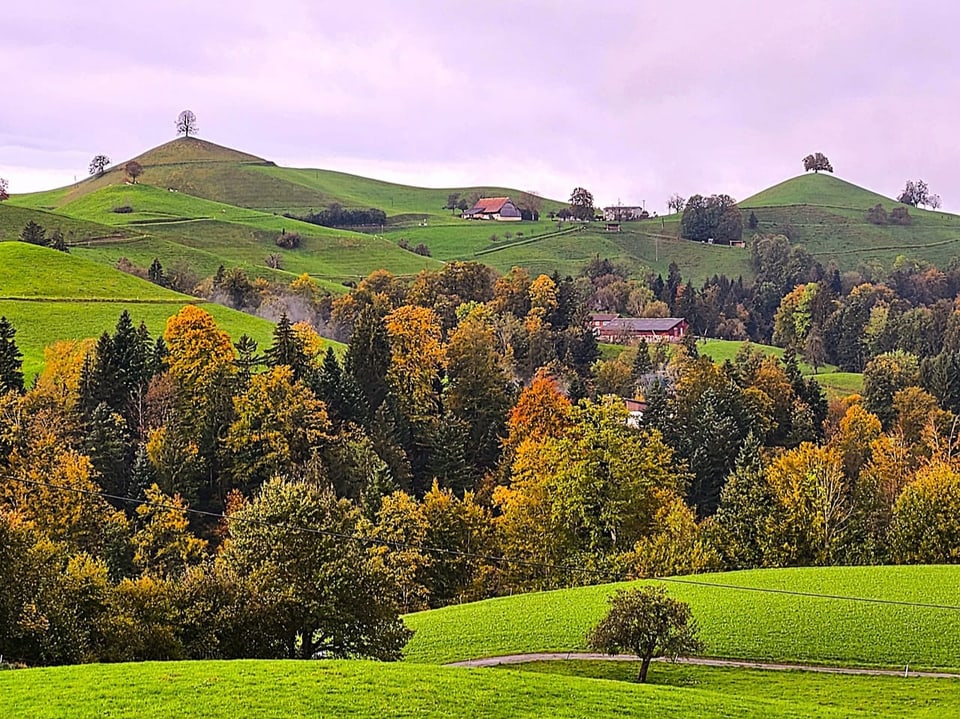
(395, 544)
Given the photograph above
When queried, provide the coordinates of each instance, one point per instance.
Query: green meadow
(737, 620)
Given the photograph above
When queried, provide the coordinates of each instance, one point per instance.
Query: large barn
(494, 208)
(614, 328)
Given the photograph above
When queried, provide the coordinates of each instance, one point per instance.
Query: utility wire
(395, 544)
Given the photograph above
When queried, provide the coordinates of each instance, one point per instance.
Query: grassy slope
(855, 695)
(67, 297)
(13, 219)
(734, 622)
(828, 216)
(268, 689)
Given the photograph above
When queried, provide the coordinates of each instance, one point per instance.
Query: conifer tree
(642, 365)
(287, 348)
(11, 359)
(368, 357)
(247, 360)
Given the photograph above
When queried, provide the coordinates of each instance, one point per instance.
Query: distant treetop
(816, 162)
(187, 123)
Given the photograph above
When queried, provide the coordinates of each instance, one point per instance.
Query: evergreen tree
(338, 390)
(287, 349)
(368, 357)
(107, 444)
(33, 234)
(155, 273)
(57, 242)
(11, 359)
(247, 360)
(642, 365)
(746, 503)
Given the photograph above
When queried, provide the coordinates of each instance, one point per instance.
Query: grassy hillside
(282, 690)
(49, 296)
(13, 219)
(828, 216)
(734, 622)
(227, 206)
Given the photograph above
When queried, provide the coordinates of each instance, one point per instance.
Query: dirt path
(700, 661)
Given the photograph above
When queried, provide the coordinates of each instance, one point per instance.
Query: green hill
(787, 623)
(207, 205)
(286, 689)
(50, 296)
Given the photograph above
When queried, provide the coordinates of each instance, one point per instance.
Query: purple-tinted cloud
(634, 100)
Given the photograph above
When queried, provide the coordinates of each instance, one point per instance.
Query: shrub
(900, 216)
(422, 249)
(494, 238)
(403, 244)
(877, 215)
(288, 240)
(274, 261)
(123, 210)
(507, 235)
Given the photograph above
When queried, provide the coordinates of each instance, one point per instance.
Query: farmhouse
(614, 328)
(493, 208)
(621, 213)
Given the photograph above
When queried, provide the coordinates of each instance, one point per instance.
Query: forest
(187, 496)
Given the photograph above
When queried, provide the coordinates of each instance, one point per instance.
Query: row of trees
(338, 216)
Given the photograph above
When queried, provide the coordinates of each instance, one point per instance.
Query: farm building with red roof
(494, 208)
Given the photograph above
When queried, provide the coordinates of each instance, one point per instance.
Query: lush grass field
(39, 272)
(738, 623)
(64, 297)
(334, 689)
(821, 693)
(14, 218)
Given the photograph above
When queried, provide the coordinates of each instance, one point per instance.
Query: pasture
(798, 618)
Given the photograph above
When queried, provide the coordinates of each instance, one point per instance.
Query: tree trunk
(644, 666)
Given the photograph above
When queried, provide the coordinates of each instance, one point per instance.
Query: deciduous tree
(187, 123)
(648, 623)
(816, 162)
(4, 189)
(581, 204)
(133, 169)
(99, 164)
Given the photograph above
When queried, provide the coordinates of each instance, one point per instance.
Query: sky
(633, 100)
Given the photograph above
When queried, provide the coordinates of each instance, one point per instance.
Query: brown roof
(643, 324)
(490, 204)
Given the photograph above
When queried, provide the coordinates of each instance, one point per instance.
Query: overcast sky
(634, 100)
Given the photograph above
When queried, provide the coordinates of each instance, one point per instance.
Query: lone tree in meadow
(648, 623)
(187, 123)
(816, 162)
(99, 164)
(133, 169)
(581, 204)
(4, 189)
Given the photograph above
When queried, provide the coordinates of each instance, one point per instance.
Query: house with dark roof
(494, 208)
(614, 328)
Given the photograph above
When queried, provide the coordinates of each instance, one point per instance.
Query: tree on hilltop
(133, 169)
(648, 623)
(816, 162)
(581, 204)
(99, 164)
(676, 203)
(4, 189)
(187, 123)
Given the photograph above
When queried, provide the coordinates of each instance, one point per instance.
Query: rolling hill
(208, 205)
(48, 296)
(775, 614)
